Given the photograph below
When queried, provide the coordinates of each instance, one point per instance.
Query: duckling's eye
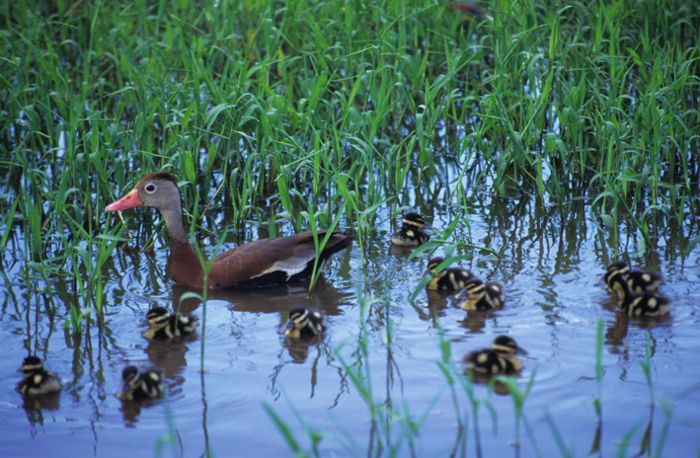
(150, 188)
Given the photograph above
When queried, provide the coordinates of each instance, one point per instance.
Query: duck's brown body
(261, 263)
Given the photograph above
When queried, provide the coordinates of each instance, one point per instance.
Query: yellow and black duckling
(500, 359)
(37, 381)
(636, 291)
(304, 324)
(450, 279)
(649, 303)
(481, 296)
(163, 326)
(638, 281)
(141, 385)
(411, 233)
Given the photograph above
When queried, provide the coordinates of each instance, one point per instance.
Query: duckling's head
(31, 363)
(507, 346)
(130, 375)
(434, 262)
(303, 320)
(474, 285)
(414, 220)
(157, 316)
(616, 268)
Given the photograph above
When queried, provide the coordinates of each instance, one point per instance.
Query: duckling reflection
(412, 231)
(617, 331)
(437, 301)
(34, 406)
(475, 320)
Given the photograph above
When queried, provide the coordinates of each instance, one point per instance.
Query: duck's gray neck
(174, 224)
(184, 264)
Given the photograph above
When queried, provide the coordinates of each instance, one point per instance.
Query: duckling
(37, 380)
(648, 303)
(450, 279)
(141, 385)
(304, 324)
(481, 296)
(639, 281)
(165, 327)
(500, 359)
(411, 233)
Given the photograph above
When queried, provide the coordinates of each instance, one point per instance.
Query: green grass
(334, 108)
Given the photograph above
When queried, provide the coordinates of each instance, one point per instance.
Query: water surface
(550, 257)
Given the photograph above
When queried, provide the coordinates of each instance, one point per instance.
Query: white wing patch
(291, 266)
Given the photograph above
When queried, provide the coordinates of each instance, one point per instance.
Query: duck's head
(415, 221)
(130, 375)
(301, 319)
(31, 363)
(473, 287)
(619, 268)
(434, 262)
(507, 346)
(157, 316)
(158, 190)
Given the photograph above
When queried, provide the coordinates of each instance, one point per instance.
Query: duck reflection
(475, 320)
(617, 329)
(34, 406)
(324, 297)
(437, 300)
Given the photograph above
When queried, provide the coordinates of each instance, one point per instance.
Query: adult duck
(260, 263)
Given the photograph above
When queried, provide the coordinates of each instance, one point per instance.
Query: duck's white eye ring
(150, 188)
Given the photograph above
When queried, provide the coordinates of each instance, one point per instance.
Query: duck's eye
(150, 188)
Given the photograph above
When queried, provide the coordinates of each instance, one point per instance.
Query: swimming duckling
(450, 279)
(139, 386)
(500, 359)
(648, 303)
(478, 295)
(639, 281)
(165, 327)
(304, 324)
(37, 380)
(411, 233)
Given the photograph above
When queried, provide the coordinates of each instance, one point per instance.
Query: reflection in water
(476, 320)
(437, 300)
(298, 349)
(132, 409)
(325, 297)
(34, 406)
(169, 356)
(547, 252)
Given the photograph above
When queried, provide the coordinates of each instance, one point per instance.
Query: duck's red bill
(130, 200)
